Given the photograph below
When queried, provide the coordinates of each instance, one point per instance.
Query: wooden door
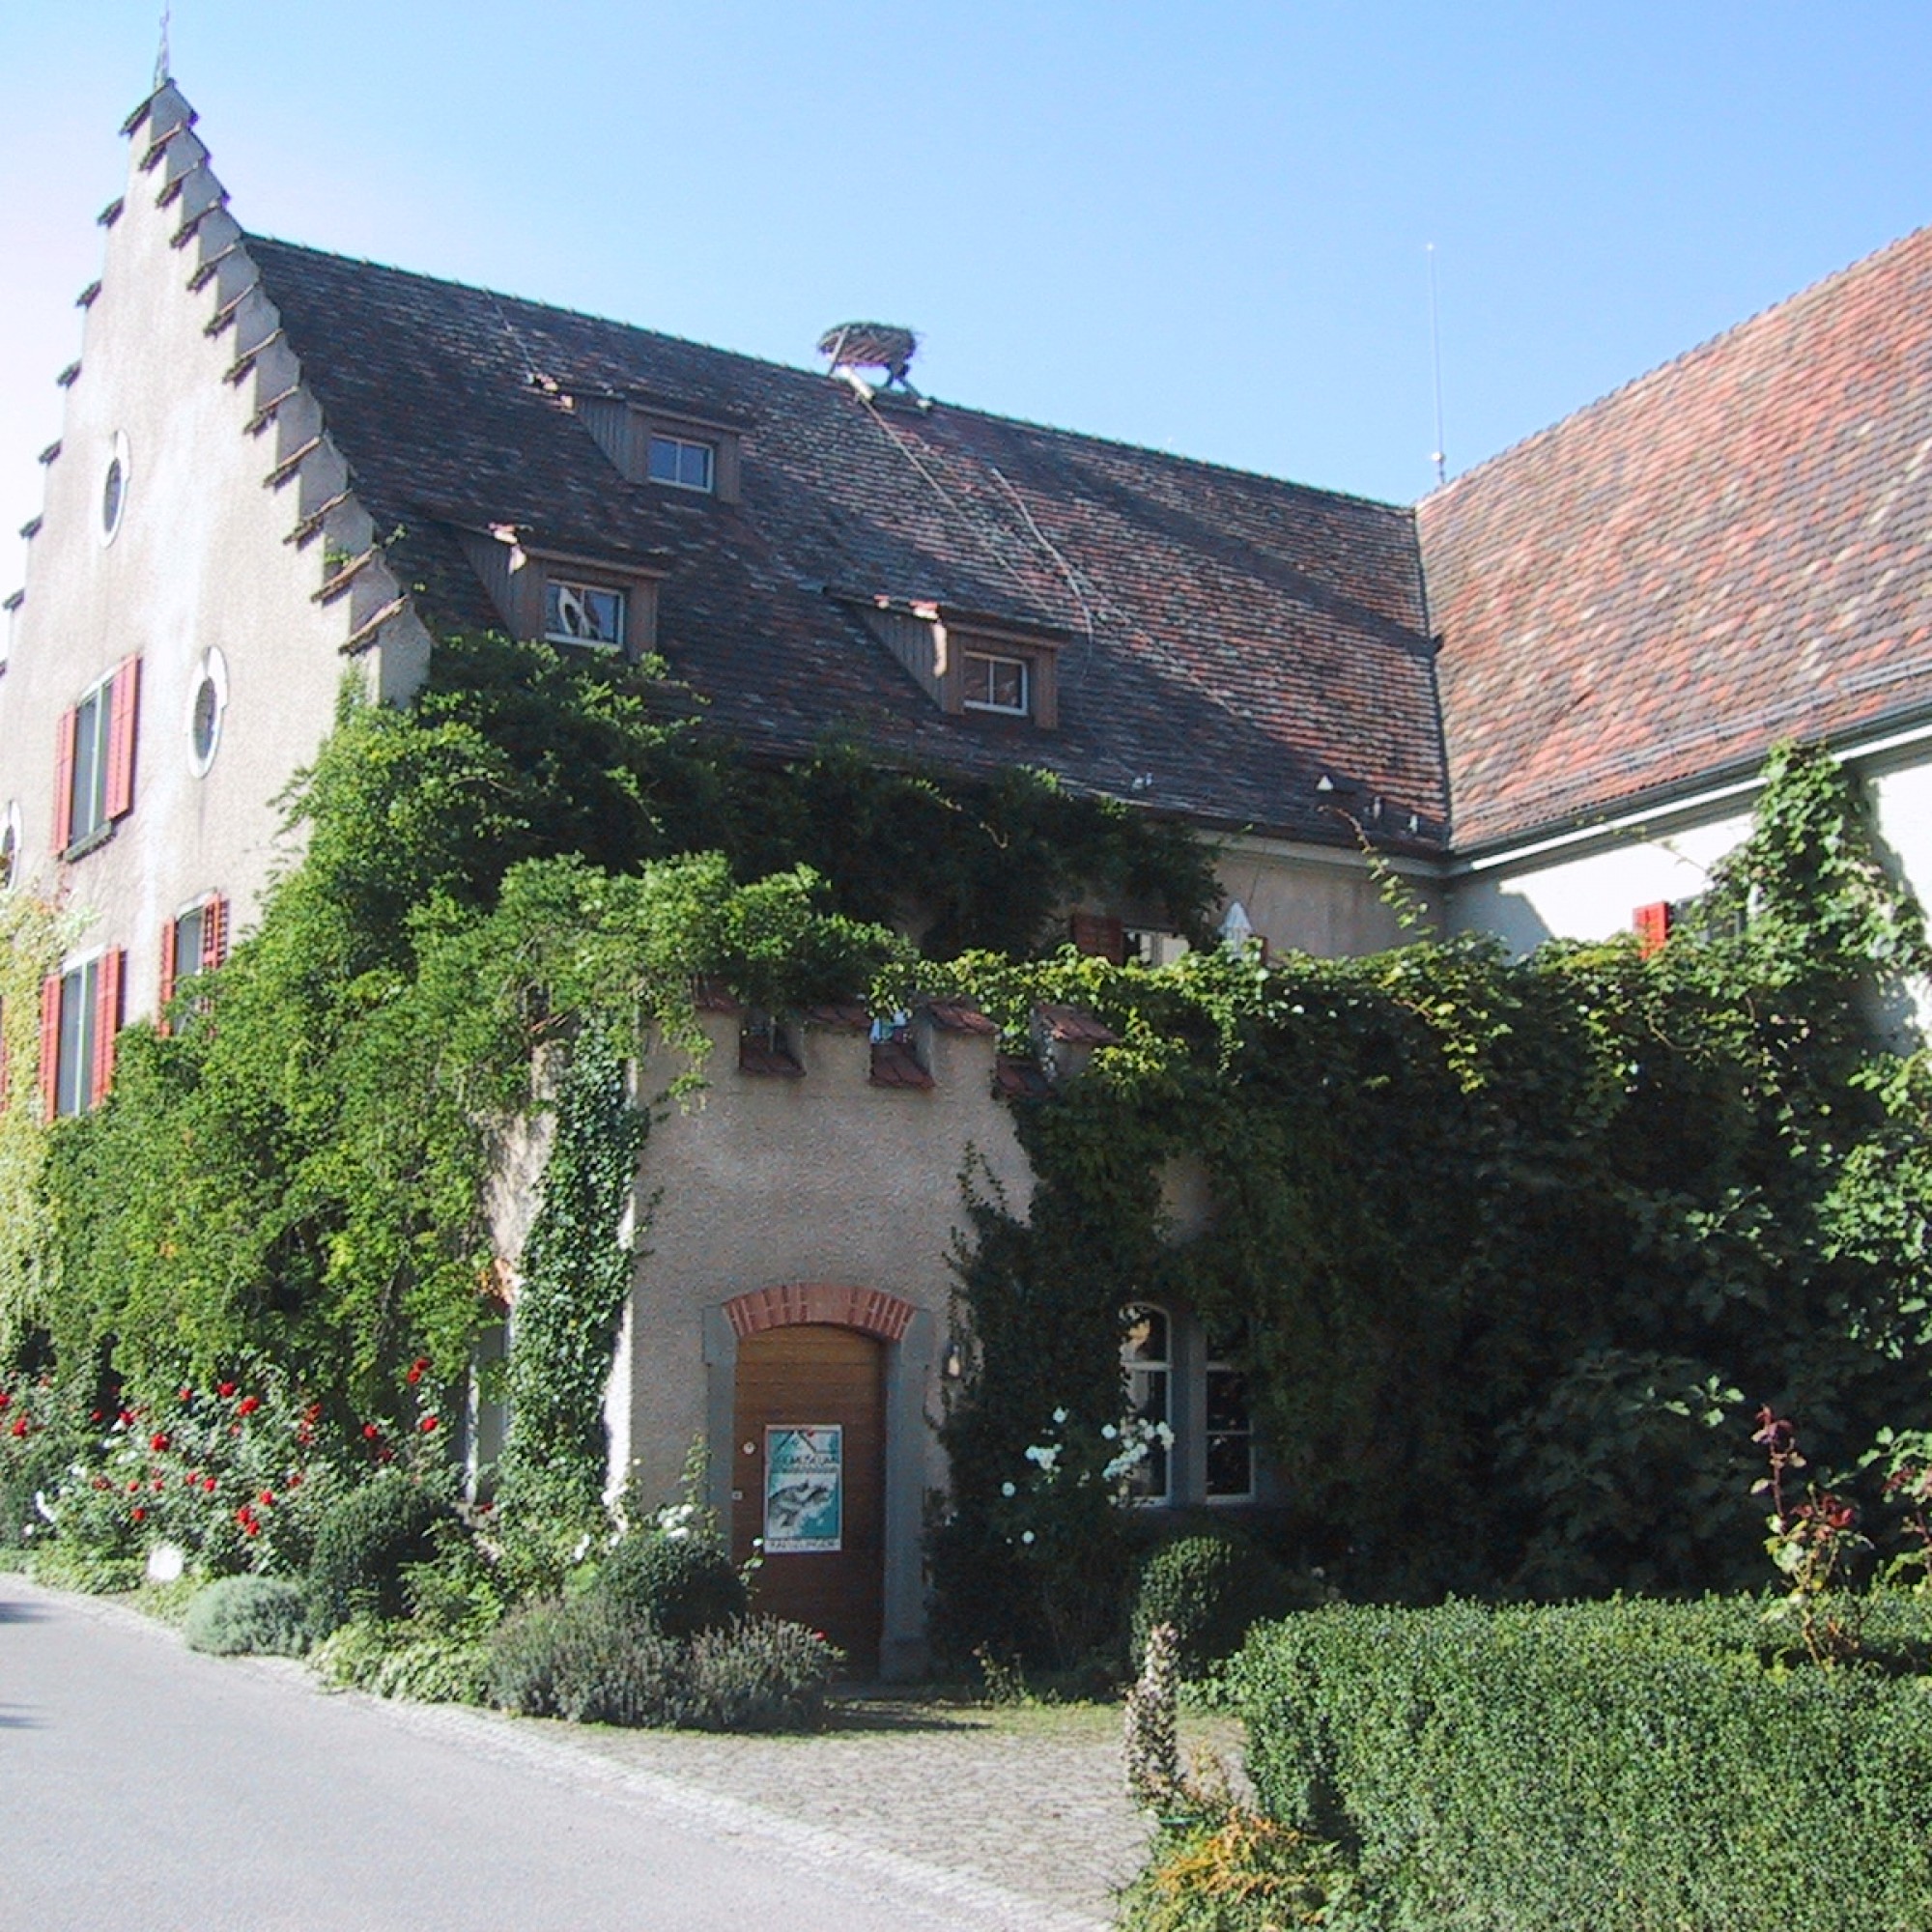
(818, 1378)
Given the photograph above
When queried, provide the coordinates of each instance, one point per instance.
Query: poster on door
(805, 1488)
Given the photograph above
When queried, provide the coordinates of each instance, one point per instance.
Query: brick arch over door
(870, 1310)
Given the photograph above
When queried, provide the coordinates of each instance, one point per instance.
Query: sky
(1201, 227)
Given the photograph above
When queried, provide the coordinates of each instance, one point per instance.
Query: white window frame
(555, 583)
(681, 446)
(73, 1076)
(969, 658)
(84, 825)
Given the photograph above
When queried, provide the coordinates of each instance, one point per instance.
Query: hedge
(1653, 1766)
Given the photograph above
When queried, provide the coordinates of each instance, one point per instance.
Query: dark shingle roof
(1728, 552)
(1247, 636)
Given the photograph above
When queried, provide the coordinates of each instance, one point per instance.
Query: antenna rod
(163, 65)
(1440, 455)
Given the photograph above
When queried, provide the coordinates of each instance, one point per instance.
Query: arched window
(1146, 1355)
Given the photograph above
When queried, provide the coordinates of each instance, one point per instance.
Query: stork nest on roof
(871, 345)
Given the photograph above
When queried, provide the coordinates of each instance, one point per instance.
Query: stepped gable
(1227, 641)
(1727, 552)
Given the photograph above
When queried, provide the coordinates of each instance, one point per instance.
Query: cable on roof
(537, 378)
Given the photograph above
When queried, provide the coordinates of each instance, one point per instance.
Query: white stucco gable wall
(226, 459)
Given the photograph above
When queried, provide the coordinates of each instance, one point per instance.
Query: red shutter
(50, 1003)
(64, 782)
(106, 1022)
(1652, 926)
(125, 702)
(213, 932)
(1095, 933)
(168, 936)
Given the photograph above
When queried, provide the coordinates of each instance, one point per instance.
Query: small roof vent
(871, 345)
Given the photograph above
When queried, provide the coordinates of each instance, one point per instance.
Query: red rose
(133, 1488)
(296, 1481)
(208, 1483)
(187, 1395)
(6, 1401)
(20, 1427)
(126, 1417)
(157, 1442)
(427, 1425)
(158, 1484)
(248, 1405)
(224, 1389)
(370, 1433)
(93, 1415)
(102, 1483)
(269, 1498)
(140, 1516)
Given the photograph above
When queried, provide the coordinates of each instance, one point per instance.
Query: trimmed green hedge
(1652, 1767)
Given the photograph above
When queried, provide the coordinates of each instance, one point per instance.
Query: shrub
(403, 1659)
(365, 1544)
(1637, 1764)
(591, 1661)
(759, 1674)
(1237, 1872)
(679, 1586)
(1210, 1588)
(247, 1616)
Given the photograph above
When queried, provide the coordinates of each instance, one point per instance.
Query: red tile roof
(1731, 551)
(1231, 638)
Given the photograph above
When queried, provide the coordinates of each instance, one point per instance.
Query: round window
(114, 490)
(208, 702)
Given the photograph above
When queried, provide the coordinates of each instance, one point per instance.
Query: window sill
(91, 843)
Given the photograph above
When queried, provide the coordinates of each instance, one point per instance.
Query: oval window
(114, 490)
(208, 703)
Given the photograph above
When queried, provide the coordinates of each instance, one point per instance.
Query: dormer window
(683, 464)
(968, 663)
(583, 613)
(663, 441)
(989, 683)
(563, 597)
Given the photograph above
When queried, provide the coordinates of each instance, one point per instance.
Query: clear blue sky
(1198, 226)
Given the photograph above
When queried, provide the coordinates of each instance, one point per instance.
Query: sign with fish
(805, 1488)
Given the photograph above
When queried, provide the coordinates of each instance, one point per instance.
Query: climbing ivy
(32, 935)
(577, 1270)
(546, 847)
(1514, 1245)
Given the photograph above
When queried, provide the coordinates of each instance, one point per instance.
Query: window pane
(1227, 1399)
(663, 459)
(1231, 1465)
(74, 1072)
(187, 945)
(89, 794)
(1147, 1336)
(695, 465)
(582, 614)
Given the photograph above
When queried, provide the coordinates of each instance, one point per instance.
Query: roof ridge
(1709, 346)
(1317, 490)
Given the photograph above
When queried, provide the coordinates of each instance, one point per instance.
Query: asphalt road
(143, 1784)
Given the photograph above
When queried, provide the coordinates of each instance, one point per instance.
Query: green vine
(1517, 1244)
(576, 1272)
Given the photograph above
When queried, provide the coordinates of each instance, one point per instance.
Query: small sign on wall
(805, 1488)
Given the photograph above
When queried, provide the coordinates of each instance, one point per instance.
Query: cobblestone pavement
(1030, 1799)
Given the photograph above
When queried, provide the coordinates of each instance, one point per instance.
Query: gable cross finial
(161, 64)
